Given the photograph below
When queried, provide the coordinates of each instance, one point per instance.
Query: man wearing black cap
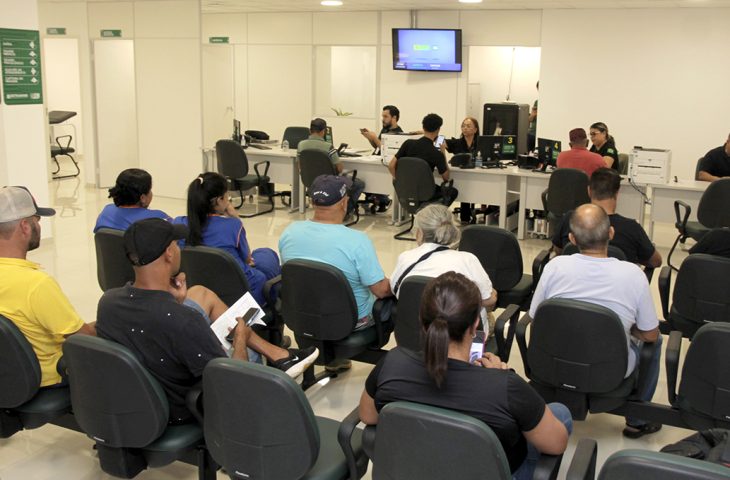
(578, 156)
(29, 297)
(316, 141)
(160, 319)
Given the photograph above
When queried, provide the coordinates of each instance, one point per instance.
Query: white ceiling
(230, 6)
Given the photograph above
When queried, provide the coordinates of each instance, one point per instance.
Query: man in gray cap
(29, 297)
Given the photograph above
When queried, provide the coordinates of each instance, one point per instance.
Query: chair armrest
(68, 143)
(256, 168)
(348, 172)
(504, 344)
(681, 223)
(194, 402)
(544, 197)
(649, 272)
(344, 437)
(583, 465)
(61, 367)
(547, 467)
(521, 333)
(268, 286)
(664, 282)
(644, 360)
(671, 364)
(378, 307)
(538, 265)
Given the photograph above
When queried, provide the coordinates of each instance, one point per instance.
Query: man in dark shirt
(390, 118)
(715, 164)
(156, 319)
(629, 236)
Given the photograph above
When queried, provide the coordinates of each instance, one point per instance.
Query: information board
(20, 58)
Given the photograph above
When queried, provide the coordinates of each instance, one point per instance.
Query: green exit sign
(218, 39)
(111, 33)
(56, 31)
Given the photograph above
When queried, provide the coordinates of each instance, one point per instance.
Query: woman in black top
(604, 144)
(466, 143)
(442, 376)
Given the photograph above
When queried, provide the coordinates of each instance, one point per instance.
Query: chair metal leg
(207, 467)
(357, 217)
(75, 164)
(309, 378)
(402, 235)
(271, 201)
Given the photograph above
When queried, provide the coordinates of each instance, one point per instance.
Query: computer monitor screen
(429, 50)
(236, 130)
(548, 151)
(500, 119)
(328, 136)
(497, 147)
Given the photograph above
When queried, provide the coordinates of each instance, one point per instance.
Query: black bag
(712, 445)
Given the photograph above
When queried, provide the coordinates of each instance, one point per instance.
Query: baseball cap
(327, 190)
(317, 125)
(577, 134)
(17, 203)
(146, 240)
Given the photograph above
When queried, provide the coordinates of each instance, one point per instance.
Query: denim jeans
(527, 469)
(646, 391)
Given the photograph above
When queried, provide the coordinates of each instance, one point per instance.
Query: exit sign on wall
(218, 39)
(111, 33)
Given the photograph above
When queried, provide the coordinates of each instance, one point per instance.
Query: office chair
(415, 188)
(219, 272)
(697, 168)
(113, 268)
(294, 135)
(567, 190)
(63, 150)
(712, 212)
(23, 404)
(318, 305)
(259, 424)
(578, 356)
(623, 163)
(406, 320)
(429, 443)
(233, 164)
(119, 405)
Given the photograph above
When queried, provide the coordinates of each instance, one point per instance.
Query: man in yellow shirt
(29, 297)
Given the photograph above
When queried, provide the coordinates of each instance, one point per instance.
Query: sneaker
(338, 365)
(384, 206)
(639, 431)
(297, 361)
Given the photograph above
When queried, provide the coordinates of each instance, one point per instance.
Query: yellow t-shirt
(34, 301)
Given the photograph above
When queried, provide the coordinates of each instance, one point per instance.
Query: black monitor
(548, 151)
(497, 147)
(237, 131)
(328, 135)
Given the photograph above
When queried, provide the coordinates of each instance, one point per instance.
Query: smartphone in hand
(247, 317)
(439, 141)
(477, 346)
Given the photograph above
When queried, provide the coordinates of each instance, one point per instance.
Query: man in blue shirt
(325, 239)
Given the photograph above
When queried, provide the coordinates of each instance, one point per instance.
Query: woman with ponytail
(213, 221)
(604, 144)
(487, 389)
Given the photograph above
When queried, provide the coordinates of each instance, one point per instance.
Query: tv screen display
(430, 50)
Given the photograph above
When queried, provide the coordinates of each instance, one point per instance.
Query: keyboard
(259, 146)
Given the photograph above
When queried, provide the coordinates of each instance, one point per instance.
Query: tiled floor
(52, 452)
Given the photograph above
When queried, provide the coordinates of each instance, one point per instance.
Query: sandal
(641, 430)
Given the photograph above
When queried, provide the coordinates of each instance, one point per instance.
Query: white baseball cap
(17, 203)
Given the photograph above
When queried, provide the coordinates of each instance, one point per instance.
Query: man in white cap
(29, 297)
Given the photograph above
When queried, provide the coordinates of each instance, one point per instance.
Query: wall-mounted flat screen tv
(428, 50)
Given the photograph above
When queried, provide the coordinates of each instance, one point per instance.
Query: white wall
(657, 78)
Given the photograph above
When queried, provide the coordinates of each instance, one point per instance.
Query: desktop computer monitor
(497, 147)
(236, 131)
(548, 151)
(328, 136)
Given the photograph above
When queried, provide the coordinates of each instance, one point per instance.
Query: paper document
(228, 320)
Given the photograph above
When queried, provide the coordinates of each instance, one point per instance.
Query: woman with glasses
(604, 144)
(466, 143)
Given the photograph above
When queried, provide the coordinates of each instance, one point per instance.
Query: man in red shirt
(578, 156)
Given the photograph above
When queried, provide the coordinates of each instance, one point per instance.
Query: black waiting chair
(23, 404)
(415, 187)
(218, 271)
(407, 328)
(259, 424)
(63, 150)
(294, 135)
(429, 443)
(567, 190)
(713, 211)
(119, 405)
(700, 294)
(318, 305)
(113, 268)
(233, 164)
(578, 356)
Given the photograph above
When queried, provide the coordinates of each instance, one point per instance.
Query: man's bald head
(590, 227)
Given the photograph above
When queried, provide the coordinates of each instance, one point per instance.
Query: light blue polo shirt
(349, 250)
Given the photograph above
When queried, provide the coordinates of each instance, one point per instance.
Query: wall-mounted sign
(111, 33)
(218, 39)
(56, 31)
(20, 56)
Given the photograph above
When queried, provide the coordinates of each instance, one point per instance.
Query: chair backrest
(701, 294)
(623, 163)
(408, 324)
(232, 160)
(714, 208)
(413, 183)
(115, 400)
(647, 465)
(113, 268)
(567, 189)
(697, 168)
(424, 442)
(294, 135)
(705, 386)
(613, 251)
(497, 250)
(316, 300)
(20, 372)
(216, 270)
(258, 423)
(577, 346)
(313, 163)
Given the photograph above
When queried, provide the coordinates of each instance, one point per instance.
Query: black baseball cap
(327, 190)
(146, 240)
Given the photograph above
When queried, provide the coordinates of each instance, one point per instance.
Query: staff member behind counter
(466, 143)
(715, 164)
(604, 144)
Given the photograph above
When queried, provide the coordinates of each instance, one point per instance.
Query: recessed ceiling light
(470, 1)
(330, 3)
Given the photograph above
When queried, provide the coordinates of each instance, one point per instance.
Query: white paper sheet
(228, 320)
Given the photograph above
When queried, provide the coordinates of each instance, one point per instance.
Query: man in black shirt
(715, 164)
(156, 319)
(629, 236)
